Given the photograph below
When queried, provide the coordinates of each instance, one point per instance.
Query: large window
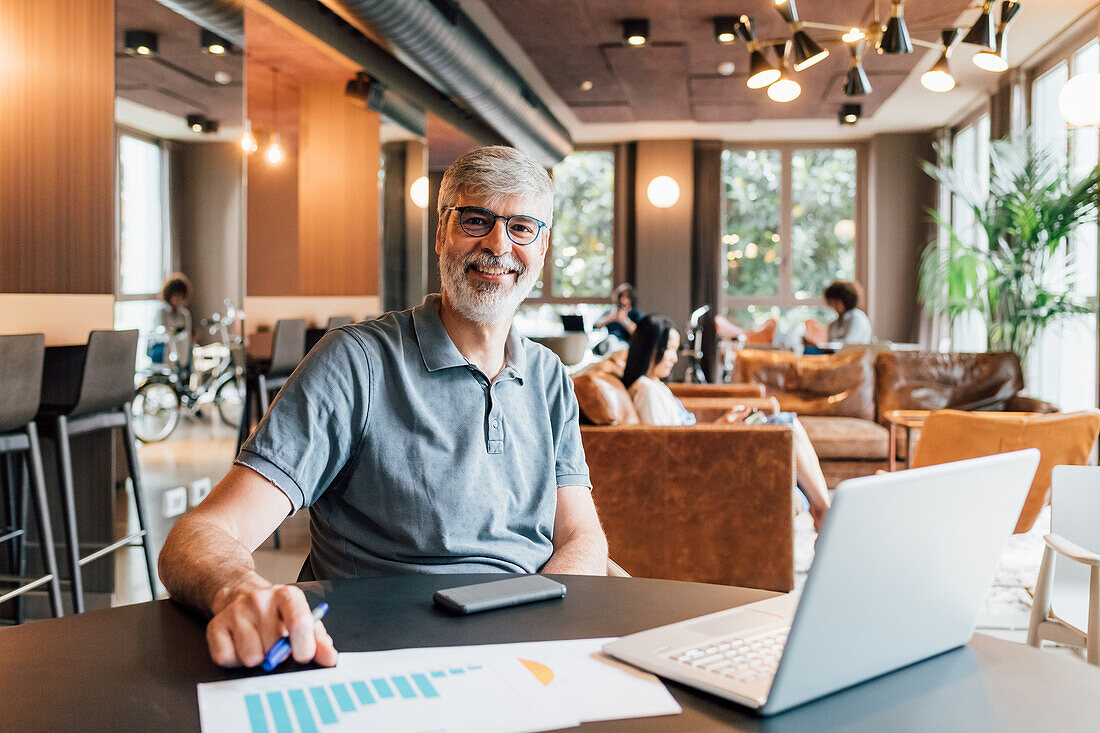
(970, 150)
(580, 263)
(1063, 365)
(789, 229)
(143, 245)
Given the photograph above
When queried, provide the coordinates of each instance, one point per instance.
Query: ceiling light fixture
(586, 85)
(784, 89)
(895, 38)
(981, 33)
(995, 59)
(248, 140)
(140, 43)
(213, 43)
(761, 71)
(636, 31)
(850, 113)
(939, 78)
(806, 51)
(195, 122)
(856, 83)
(727, 68)
(725, 29)
(273, 153)
(210, 126)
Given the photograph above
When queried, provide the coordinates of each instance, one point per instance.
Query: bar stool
(288, 347)
(20, 388)
(97, 399)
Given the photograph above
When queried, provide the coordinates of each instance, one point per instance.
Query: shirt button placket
(495, 431)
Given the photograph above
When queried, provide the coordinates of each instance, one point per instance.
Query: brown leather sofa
(709, 503)
(843, 399)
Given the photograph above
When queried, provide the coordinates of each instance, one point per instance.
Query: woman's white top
(854, 327)
(656, 405)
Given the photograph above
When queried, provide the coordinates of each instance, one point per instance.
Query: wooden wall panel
(57, 146)
(272, 225)
(338, 233)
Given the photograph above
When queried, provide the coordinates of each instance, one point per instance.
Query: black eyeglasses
(478, 222)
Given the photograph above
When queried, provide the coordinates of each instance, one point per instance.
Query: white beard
(486, 303)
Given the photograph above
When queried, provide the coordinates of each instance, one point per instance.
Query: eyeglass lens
(478, 222)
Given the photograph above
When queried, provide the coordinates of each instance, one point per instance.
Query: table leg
(893, 447)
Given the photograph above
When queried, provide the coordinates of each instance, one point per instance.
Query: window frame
(165, 213)
(786, 296)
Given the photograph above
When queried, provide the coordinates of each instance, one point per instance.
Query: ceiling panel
(676, 78)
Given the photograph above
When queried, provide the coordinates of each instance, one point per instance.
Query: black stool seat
(89, 389)
(20, 387)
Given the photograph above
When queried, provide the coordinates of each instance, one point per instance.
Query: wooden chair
(1066, 607)
(1063, 438)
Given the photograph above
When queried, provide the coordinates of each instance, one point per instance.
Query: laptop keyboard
(742, 658)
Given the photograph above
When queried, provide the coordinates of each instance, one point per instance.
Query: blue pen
(280, 650)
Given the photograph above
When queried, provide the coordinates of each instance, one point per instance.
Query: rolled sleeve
(570, 466)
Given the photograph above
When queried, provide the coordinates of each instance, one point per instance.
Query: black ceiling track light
(856, 83)
(850, 113)
(895, 38)
(636, 31)
(200, 123)
(761, 71)
(140, 43)
(994, 59)
(214, 44)
(805, 51)
(725, 29)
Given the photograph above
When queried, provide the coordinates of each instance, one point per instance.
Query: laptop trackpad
(734, 623)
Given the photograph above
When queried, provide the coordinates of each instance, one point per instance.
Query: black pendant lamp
(856, 83)
(761, 71)
(895, 39)
(805, 51)
(981, 33)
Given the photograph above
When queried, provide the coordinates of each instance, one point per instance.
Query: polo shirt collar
(439, 352)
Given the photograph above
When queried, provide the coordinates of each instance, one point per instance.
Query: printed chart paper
(508, 688)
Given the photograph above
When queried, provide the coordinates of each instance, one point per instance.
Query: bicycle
(217, 375)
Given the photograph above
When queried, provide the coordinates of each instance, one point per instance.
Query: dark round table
(135, 667)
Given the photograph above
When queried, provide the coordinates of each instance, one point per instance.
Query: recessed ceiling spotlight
(196, 122)
(222, 77)
(213, 43)
(850, 113)
(727, 68)
(586, 85)
(725, 29)
(140, 43)
(636, 31)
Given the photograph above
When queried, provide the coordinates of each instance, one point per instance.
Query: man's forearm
(204, 567)
(583, 553)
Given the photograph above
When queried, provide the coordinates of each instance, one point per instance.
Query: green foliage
(823, 183)
(581, 244)
(1011, 274)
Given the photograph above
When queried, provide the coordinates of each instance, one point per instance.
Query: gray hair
(495, 173)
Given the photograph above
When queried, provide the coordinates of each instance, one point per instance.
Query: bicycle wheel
(229, 398)
(155, 411)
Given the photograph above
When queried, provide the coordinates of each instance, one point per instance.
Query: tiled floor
(204, 449)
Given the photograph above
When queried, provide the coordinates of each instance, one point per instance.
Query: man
(430, 440)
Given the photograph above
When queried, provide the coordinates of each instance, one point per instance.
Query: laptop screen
(572, 322)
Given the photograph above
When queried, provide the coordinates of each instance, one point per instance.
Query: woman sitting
(852, 326)
(653, 353)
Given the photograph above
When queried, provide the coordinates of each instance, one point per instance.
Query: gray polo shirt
(411, 460)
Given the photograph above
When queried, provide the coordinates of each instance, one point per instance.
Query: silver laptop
(902, 567)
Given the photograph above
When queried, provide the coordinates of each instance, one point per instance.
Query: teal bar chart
(311, 709)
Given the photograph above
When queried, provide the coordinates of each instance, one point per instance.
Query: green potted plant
(1010, 273)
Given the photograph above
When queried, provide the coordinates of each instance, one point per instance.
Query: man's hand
(247, 624)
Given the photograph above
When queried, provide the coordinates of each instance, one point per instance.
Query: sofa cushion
(602, 398)
(839, 385)
(846, 438)
(925, 380)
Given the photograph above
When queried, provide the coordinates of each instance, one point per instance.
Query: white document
(508, 688)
